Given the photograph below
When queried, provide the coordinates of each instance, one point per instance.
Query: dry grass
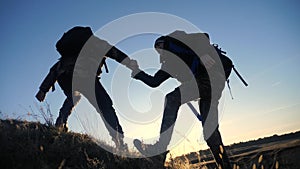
(273, 152)
(35, 145)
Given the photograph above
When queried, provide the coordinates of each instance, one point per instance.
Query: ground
(34, 145)
(31, 145)
(266, 153)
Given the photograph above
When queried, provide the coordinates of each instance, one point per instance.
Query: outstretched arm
(48, 82)
(152, 81)
(98, 47)
(122, 58)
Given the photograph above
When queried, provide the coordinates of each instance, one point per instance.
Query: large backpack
(70, 45)
(190, 57)
(226, 61)
(227, 64)
(72, 41)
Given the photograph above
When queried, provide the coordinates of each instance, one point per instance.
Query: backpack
(227, 64)
(190, 57)
(226, 61)
(72, 41)
(70, 45)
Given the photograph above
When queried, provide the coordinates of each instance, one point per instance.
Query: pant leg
(218, 150)
(186, 92)
(67, 107)
(209, 112)
(103, 104)
(172, 104)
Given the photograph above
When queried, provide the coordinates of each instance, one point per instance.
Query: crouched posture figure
(80, 46)
(200, 80)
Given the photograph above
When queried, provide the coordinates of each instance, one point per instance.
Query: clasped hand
(133, 65)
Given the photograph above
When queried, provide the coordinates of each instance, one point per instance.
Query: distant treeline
(274, 138)
(205, 154)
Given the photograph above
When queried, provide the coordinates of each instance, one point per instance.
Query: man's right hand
(40, 95)
(133, 65)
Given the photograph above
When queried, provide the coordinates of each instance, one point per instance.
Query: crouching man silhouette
(191, 59)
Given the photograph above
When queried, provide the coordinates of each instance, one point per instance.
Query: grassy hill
(34, 145)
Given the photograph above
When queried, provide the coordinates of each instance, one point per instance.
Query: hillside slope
(33, 145)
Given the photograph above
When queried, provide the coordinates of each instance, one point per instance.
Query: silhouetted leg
(159, 149)
(218, 150)
(172, 104)
(209, 113)
(184, 93)
(66, 109)
(103, 105)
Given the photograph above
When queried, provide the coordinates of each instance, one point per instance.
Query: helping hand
(133, 65)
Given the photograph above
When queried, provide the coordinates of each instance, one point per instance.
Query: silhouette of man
(202, 80)
(66, 74)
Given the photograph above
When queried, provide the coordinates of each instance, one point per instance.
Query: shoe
(62, 127)
(121, 146)
(149, 150)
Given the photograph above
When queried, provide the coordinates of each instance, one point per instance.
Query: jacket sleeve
(96, 47)
(153, 81)
(116, 54)
(50, 79)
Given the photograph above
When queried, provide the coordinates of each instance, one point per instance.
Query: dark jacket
(63, 72)
(176, 67)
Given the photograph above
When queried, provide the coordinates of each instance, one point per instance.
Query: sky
(261, 37)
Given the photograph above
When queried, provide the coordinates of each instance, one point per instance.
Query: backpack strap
(228, 85)
(241, 78)
(105, 65)
(199, 117)
(195, 65)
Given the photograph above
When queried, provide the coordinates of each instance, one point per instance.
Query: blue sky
(261, 37)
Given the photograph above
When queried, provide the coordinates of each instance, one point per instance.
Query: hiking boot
(123, 148)
(149, 149)
(120, 145)
(62, 127)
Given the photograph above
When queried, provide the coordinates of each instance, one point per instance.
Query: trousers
(98, 98)
(208, 106)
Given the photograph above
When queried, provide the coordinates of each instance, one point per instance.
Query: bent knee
(174, 96)
(76, 97)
